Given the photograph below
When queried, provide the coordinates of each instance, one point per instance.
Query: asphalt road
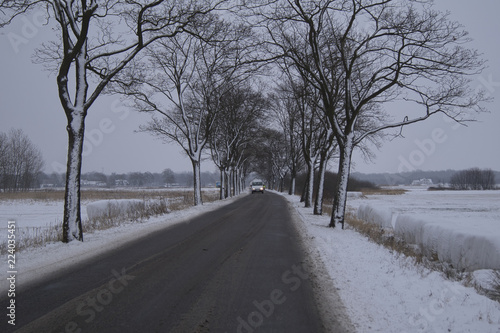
(237, 269)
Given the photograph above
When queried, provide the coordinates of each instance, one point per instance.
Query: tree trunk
(318, 202)
(237, 181)
(222, 184)
(72, 222)
(304, 191)
(227, 183)
(196, 182)
(291, 191)
(340, 196)
(240, 180)
(293, 176)
(233, 181)
(310, 184)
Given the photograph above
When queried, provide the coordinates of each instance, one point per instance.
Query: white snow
(31, 215)
(381, 291)
(377, 216)
(461, 228)
(386, 292)
(116, 207)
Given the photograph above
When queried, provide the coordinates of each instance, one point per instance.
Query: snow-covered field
(461, 228)
(32, 213)
(382, 291)
(478, 208)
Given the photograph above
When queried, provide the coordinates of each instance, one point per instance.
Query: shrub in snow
(376, 216)
(114, 208)
(125, 208)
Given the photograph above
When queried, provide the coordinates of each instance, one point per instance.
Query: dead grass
(107, 194)
(383, 191)
(42, 195)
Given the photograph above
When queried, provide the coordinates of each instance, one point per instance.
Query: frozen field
(460, 227)
(31, 214)
(479, 208)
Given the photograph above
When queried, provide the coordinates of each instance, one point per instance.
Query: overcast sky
(29, 100)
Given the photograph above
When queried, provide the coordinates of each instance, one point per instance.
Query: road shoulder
(333, 312)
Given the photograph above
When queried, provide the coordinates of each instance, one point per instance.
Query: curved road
(237, 269)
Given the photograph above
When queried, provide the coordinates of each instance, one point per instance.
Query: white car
(257, 186)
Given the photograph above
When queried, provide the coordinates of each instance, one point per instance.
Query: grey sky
(28, 100)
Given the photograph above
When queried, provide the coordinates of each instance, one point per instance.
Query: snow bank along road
(239, 268)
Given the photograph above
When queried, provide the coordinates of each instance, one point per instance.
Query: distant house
(92, 183)
(422, 182)
(121, 182)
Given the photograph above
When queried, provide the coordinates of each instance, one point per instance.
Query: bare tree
(314, 132)
(4, 155)
(236, 126)
(327, 151)
(168, 176)
(21, 162)
(183, 82)
(373, 52)
(285, 107)
(271, 157)
(473, 179)
(95, 40)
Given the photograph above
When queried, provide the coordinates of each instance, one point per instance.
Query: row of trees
(195, 66)
(21, 161)
(166, 178)
(473, 179)
(94, 42)
(348, 61)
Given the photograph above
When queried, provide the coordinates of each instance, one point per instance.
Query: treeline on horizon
(169, 178)
(406, 178)
(166, 178)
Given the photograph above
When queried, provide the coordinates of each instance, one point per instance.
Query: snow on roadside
(386, 292)
(37, 263)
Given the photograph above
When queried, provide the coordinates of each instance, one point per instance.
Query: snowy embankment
(469, 242)
(384, 291)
